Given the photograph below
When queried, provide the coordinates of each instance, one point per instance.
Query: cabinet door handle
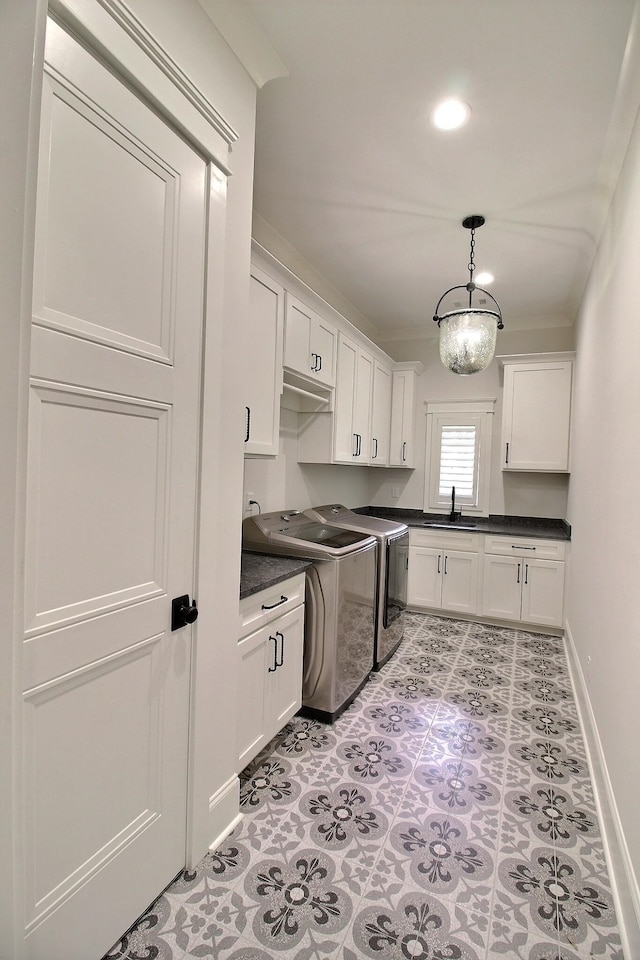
(355, 445)
(319, 356)
(526, 573)
(445, 564)
(374, 455)
(314, 365)
(404, 451)
(272, 606)
(506, 454)
(359, 444)
(438, 563)
(248, 430)
(518, 577)
(281, 660)
(272, 669)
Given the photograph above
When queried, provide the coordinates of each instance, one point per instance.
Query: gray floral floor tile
(551, 891)
(413, 925)
(448, 813)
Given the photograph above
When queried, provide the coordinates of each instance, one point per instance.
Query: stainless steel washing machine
(339, 603)
(393, 565)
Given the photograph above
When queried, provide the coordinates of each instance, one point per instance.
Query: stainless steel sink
(450, 526)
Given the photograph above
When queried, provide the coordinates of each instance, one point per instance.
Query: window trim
(476, 412)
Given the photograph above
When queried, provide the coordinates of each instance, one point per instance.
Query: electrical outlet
(248, 497)
(395, 492)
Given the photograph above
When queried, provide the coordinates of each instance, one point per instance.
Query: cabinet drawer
(444, 539)
(525, 547)
(262, 607)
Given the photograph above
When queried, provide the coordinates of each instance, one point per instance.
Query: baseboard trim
(624, 883)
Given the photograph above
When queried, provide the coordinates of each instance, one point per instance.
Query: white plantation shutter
(458, 455)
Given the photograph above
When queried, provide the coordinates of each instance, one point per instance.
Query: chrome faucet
(453, 516)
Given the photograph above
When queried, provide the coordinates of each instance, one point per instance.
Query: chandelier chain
(472, 245)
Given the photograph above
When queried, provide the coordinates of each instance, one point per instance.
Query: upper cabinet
(352, 414)
(536, 415)
(403, 414)
(263, 365)
(380, 414)
(310, 343)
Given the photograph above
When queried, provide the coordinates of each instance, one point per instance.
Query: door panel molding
(62, 856)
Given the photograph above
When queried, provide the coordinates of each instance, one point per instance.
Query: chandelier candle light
(468, 334)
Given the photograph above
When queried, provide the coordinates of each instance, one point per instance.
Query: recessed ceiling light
(450, 114)
(484, 278)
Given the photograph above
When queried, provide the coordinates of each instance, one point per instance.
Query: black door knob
(183, 612)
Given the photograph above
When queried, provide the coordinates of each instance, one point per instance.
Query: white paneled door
(112, 484)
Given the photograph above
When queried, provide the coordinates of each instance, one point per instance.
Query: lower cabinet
(270, 670)
(443, 573)
(497, 577)
(523, 589)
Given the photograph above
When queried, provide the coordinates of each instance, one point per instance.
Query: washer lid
(343, 517)
(294, 533)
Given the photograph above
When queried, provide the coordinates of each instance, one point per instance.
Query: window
(458, 455)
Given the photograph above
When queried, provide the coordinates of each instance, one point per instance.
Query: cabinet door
(460, 581)
(402, 453)
(543, 592)
(424, 585)
(251, 713)
(344, 440)
(263, 365)
(285, 682)
(380, 415)
(536, 416)
(324, 340)
(362, 407)
(502, 587)
(297, 336)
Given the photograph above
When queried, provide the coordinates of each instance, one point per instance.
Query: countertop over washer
(258, 571)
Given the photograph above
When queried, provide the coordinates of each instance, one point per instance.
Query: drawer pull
(272, 606)
(514, 546)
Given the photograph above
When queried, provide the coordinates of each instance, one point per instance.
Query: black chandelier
(468, 333)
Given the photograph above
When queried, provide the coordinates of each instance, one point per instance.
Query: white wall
(285, 483)
(603, 615)
(534, 495)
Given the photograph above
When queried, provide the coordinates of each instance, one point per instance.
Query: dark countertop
(258, 571)
(542, 527)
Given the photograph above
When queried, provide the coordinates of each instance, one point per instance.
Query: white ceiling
(352, 174)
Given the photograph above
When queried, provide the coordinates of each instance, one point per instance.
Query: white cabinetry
(443, 571)
(523, 579)
(270, 668)
(403, 415)
(263, 366)
(309, 343)
(352, 414)
(536, 414)
(380, 415)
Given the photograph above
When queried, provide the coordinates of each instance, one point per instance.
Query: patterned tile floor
(447, 815)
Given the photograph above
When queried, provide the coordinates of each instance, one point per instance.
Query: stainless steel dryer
(393, 564)
(339, 603)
